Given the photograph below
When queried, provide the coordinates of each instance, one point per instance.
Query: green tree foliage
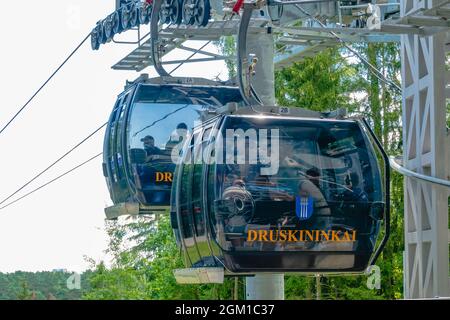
(144, 270)
(40, 286)
(321, 83)
(117, 284)
(227, 47)
(25, 294)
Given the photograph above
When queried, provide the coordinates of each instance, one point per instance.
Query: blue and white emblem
(304, 207)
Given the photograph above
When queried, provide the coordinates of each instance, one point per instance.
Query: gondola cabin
(148, 126)
(277, 192)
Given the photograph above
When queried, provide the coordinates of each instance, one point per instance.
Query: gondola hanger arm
(154, 38)
(246, 63)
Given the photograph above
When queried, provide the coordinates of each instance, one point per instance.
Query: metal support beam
(426, 264)
(263, 47)
(264, 286)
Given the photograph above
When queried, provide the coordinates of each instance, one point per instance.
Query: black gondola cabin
(276, 193)
(145, 132)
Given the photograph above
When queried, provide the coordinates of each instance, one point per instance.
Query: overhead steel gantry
(302, 29)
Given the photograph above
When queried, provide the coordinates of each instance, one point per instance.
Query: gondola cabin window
(319, 198)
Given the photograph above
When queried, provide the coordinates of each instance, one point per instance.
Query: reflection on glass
(327, 167)
(161, 121)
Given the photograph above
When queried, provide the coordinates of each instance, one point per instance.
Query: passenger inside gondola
(177, 137)
(150, 149)
(354, 198)
(311, 187)
(154, 171)
(354, 193)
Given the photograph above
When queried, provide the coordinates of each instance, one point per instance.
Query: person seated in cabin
(355, 199)
(310, 187)
(353, 193)
(287, 175)
(176, 137)
(233, 176)
(150, 149)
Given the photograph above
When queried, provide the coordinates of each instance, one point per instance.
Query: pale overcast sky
(57, 226)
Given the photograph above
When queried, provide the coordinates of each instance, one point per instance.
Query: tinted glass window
(108, 152)
(119, 137)
(185, 190)
(197, 199)
(173, 207)
(323, 176)
(109, 142)
(161, 120)
(212, 179)
(115, 160)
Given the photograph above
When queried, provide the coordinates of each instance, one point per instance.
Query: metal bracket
(411, 174)
(139, 40)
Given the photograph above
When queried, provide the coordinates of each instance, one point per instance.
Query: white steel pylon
(426, 150)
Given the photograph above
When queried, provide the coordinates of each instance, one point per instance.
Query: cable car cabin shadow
(319, 209)
(148, 126)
